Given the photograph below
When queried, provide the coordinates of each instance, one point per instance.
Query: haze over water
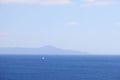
(81, 25)
(79, 30)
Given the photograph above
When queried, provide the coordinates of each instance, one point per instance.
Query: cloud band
(42, 2)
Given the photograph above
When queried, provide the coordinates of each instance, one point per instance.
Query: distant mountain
(45, 50)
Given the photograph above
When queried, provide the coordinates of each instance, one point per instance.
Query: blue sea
(51, 67)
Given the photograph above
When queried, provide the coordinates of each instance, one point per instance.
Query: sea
(59, 67)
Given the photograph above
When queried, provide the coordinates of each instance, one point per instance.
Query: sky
(83, 25)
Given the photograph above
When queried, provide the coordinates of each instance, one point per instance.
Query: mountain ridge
(45, 50)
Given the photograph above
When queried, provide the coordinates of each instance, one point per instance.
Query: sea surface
(39, 67)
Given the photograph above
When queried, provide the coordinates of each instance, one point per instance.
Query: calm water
(60, 68)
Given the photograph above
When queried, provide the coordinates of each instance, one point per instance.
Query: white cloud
(92, 3)
(3, 34)
(41, 2)
(118, 23)
(89, 1)
(72, 23)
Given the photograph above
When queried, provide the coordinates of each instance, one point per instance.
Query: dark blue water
(60, 68)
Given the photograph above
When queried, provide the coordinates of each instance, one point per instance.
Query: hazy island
(45, 50)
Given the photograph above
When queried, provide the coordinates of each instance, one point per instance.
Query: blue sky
(83, 25)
